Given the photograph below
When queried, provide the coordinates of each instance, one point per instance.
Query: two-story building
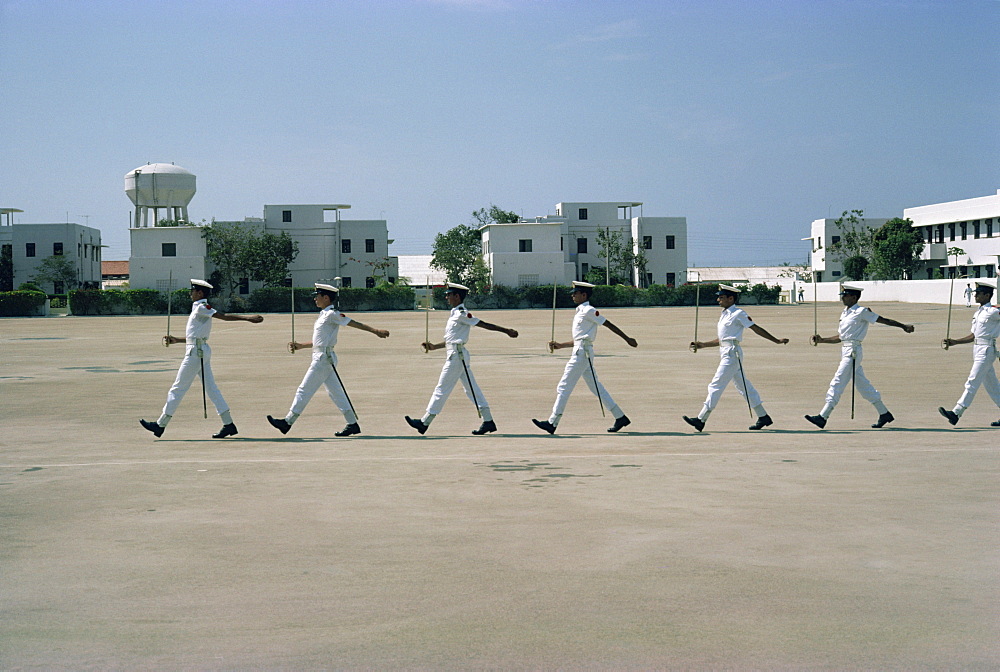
(28, 245)
(565, 247)
(971, 225)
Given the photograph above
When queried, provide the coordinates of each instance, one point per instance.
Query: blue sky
(751, 119)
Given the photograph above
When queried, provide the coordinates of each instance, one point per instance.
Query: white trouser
(851, 366)
(457, 366)
(581, 364)
(729, 370)
(190, 368)
(983, 374)
(321, 373)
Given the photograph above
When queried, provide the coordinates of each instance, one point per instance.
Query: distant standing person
(581, 362)
(985, 332)
(969, 294)
(323, 368)
(802, 295)
(458, 362)
(198, 361)
(730, 329)
(852, 330)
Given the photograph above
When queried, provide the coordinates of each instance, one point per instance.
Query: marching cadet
(198, 361)
(853, 327)
(581, 362)
(985, 332)
(323, 368)
(731, 325)
(457, 364)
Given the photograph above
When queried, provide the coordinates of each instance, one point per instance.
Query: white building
(356, 251)
(972, 225)
(564, 247)
(30, 244)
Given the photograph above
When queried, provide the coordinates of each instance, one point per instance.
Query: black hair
(589, 291)
(462, 293)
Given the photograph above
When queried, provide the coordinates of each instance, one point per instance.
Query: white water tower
(159, 186)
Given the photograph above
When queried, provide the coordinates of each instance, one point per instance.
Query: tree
(855, 267)
(954, 252)
(494, 215)
(790, 270)
(896, 250)
(57, 268)
(622, 258)
(6, 268)
(855, 241)
(238, 252)
(456, 250)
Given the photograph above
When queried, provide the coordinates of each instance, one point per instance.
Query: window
(527, 280)
(649, 279)
(345, 281)
(819, 243)
(79, 249)
(671, 279)
(560, 244)
(940, 233)
(951, 232)
(835, 240)
(836, 273)
(345, 245)
(244, 285)
(581, 245)
(57, 250)
(583, 213)
(975, 229)
(671, 243)
(965, 229)
(585, 269)
(647, 242)
(169, 249)
(29, 249)
(370, 245)
(989, 228)
(58, 287)
(286, 215)
(524, 246)
(370, 282)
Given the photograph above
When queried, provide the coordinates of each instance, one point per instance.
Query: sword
(291, 349)
(697, 302)
(334, 367)
(854, 369)
(204, 400)
(947, 333)
(815, 302)
(170, 287)
(472, 388)
(427, 314)
(746, 393)
(596, 384)
(552, 337)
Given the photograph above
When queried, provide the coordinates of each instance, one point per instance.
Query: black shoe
(153, 427)
(883, 420)
(697, 423)
(350, 430)
(416, 424)
(279, 424)
(227, 430)
(545, 424)
(487, 426)
(952, 417)
(820, 421)
(619, 423)
(762, 422)
(995, 424)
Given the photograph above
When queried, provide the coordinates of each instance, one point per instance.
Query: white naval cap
(455, 285)
(991, 284)
(325, 287)
(850, 288)
(730, 289)
(578, 283)
(200, 283)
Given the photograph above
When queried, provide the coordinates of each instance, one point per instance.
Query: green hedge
(279, 300)
(21, 303)
(127, 302)
(611, 296)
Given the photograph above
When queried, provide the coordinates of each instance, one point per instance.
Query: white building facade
(825, 232)
(564, 247)
(972, 225)
(356, 251)
(30, 244)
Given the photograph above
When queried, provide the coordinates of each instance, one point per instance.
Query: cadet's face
(983, 296)
(849, 299)
(197, 294)
(579, 296)
(726, 300)
(453, 298)
(322, 301)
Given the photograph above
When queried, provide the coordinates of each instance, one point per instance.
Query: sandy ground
(790, 548)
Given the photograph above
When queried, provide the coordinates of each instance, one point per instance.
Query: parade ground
(655, 548)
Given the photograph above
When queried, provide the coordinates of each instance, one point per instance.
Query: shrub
(21, 303)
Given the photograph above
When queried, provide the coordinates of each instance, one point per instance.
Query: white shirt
(328, 323)
(854, 322)
(199, 323)
(732, 322)
(586, 321)
(460, 323)
(986, 322)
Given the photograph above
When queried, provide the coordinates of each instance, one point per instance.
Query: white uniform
(852, 330)
(585, 324)
(732, 322)
(457, 366)
(320, 371)
(986, 331)
(199, 326)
